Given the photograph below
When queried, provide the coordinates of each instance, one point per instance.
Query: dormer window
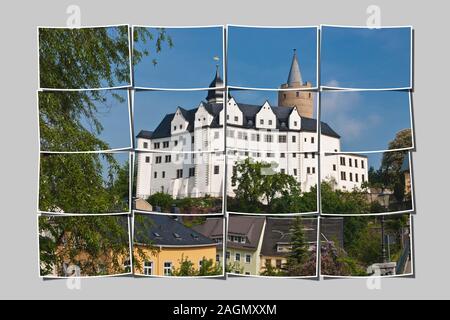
(295, 123)
(174, 128)
(270, 122)
(261, 121)
(236, 119)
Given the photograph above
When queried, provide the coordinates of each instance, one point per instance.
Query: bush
(161, 199)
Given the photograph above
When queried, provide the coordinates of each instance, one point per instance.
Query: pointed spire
(215, 96)
(294, 74)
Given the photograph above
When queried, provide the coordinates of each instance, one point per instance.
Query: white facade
(271, 134)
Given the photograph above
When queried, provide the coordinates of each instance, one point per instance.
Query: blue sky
(188, 64)
(365, 58)
(114, 117)
(261, 57)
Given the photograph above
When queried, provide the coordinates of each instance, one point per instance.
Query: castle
(184, 155)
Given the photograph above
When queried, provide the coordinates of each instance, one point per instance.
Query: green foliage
(161, 199)
(188, 269)
(98, 245)
(81, 58)
(343, 202)
(271, 271)
(280, 192)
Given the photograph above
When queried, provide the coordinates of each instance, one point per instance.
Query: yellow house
(165, 242)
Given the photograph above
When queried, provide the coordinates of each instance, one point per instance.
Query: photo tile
(367, 184)
(179, 121)
(272, 246)
(84, 183)
(87, 246)
(80, 121)
(272, 121)
(178, 246)
(181, 183)
(272, 57)
(362, 121)
(378, 246)
(84, 58)
(278, 183)
(366, 58)
(178, 57)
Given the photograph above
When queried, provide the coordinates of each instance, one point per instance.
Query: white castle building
(184, 155)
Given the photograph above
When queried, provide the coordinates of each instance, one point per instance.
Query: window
(356, 177)
(342, 161)
(313, 155)
(179, 173)
(312, 139)
(270, 122)
(165, 144)
(356, 163)
(295, 123)
(363, 178)
(175, 143)
(237, 257)
(156, 145)
(216, 135)
(174, 128)
(343, 176)
(236, 119)
(282, 139)
(334, 167)
(278, 263)
(145, 145)
(228, 255)
(294, 139)
(268, 138)
(148, 268)
(294, 155)
(350, 176)
(282, 155)
(247, 273)
(269, 155)
(306, 156)
(230, 133)
(362, 164)
(248, 258)
(163, 174)
(147, 159)
(155, 175)
(269, 262)
(216, 169)
(168, 158)
(158, 159)
(284, 95)
(295, 172)
(313, 170)
(217, 258)
(181, 126)
(297, 94)
(283, 171)
(167, 268)
(261, 121)
(192, 139)
(228, 117)
(308, 170)
(350, 162)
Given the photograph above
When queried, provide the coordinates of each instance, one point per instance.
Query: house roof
(160, 230)
(278, 231)
(145, 134)
(249, 227)
(332, 229)
(249, 114)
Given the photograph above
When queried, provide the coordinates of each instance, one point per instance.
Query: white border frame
(312, 277)
(130, 64)
(130, 185)
(411, 66)
(316, 86)
(51, 277)
(119, 149)
(223, 27)
(411, 211)
(223, 275)
(404, 275)
(411, 123)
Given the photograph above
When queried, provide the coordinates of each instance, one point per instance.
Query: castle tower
(216, 96)
(302, 100)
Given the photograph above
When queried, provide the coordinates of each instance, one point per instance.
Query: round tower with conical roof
(302, 100)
